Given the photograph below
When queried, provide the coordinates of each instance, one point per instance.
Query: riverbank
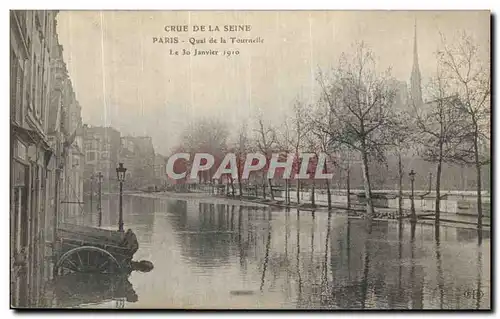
(195, 195)
(359, 212)
(356, 211)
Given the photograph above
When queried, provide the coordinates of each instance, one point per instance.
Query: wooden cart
(93, 250)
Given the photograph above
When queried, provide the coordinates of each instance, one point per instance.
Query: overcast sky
(123, 79)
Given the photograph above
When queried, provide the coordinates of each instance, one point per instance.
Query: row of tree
(362, 116)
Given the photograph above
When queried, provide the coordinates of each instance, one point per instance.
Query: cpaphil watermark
(288, 166)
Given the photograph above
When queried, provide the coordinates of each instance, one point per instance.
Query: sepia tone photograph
(245, 160)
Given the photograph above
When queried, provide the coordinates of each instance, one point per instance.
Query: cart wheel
(87, 259)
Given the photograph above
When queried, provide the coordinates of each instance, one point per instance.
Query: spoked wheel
(86, 259)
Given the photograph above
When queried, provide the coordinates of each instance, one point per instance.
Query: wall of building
(138, 156)
(101, 146)
(160, 170)
(44, 121)
(30, 46)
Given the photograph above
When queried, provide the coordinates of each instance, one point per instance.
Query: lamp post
(99, 200)
(91, 196)
(120, 174)
(412, 180)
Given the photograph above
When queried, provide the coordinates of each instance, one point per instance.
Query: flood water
(210, 253)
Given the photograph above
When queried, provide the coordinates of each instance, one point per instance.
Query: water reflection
(478, 294)
(223, 255)
(79, 290)
(440, 278)
(299, 299)
(266, 257)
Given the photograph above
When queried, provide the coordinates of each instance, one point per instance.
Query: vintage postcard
(226, 160)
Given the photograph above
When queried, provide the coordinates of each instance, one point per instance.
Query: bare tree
(402, 133)
(206, 135)
(300, 125)
(318, 139)
(285, 141)
(402, 136)
(241, 151)
(361, 101)
(293, 136)
(440, 126)
(343, 162)
(469, 78)
(266, 142)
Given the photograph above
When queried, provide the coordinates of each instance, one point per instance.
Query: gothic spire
(415, 51)
(415, 79)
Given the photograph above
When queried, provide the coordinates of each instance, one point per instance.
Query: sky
(124, 79)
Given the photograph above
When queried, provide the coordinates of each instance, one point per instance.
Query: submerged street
(216, 253)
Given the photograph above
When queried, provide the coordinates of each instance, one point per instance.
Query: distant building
(138, 156)
(402, 97)
(102, 148)
(160, 170)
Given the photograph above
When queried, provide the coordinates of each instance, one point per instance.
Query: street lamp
(91, 196)
(99, 200)
(120, 174)
(412, 179)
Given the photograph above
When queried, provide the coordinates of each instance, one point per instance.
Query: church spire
(415, 79)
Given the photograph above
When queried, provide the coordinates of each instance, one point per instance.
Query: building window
(29, 80)
(90, 156)
(39, 81)
(13, 84)
(20, 150)
(42, 95)
(34, 83)
(104, 167)
(16, 87)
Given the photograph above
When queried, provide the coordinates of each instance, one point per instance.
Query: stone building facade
(45, 150)
(160, 170)
(31, 36)
(101, 147)
(138, 156)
